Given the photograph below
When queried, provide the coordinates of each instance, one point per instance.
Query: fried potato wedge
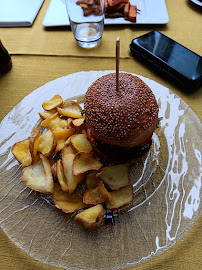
(70, 109)
(72, 180)
(60, 175)
(61, 137)
(67, 149)
(45, 115)
(121, 198)
(53, 103)
(91, 179)
(132, 13)
(47, 143)
(53, 169)
(22, 153)
(113, 3)
(35, 131)
(54, 123)
(68, 141)
(93, 195)
(78, 123)
(85, 161)
(80, 143)
(92, 218)
(104, 192)
(33, 146)
(69, 121)
(87, 2)
(67, 202)
(49, 177)
(97, 194)
(115, 176)
(38, 176)
(126, 10)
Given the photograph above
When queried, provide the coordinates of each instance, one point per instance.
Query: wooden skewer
(117, 62)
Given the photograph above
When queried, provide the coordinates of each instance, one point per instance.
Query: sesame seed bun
(127, 117)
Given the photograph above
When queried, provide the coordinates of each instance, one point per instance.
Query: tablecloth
(40, 55)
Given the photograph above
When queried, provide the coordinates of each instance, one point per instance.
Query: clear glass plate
(167, 188)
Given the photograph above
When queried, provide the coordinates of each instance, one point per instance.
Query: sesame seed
(118, 117)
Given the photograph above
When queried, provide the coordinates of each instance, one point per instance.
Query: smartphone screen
(172, 53)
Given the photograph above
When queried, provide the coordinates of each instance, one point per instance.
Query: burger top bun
(126, 117)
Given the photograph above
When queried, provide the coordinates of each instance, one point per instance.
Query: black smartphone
(171, 58)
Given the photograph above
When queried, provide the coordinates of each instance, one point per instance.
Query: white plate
(197, 2)
(152, 12)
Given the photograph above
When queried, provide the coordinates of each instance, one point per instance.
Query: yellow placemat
(31, 72)
(184, 26)
(185, 255)
(62, 57)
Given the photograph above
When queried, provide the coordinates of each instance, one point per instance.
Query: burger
(120, 121)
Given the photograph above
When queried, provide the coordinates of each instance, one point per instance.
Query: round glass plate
(166, 183)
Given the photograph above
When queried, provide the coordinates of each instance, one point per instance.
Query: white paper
(14, 13)
(56, 14)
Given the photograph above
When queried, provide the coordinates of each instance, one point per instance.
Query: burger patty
(110, 153)
(118, 154)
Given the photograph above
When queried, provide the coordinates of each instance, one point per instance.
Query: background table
(40, 55)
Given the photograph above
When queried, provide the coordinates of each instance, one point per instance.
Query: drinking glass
(86, 19)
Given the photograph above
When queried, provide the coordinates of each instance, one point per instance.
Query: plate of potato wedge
(59, 203)
(146, 11)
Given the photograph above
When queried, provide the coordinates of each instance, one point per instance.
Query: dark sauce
(109, 218)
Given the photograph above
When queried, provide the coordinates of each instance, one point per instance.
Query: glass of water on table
(86, 19)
